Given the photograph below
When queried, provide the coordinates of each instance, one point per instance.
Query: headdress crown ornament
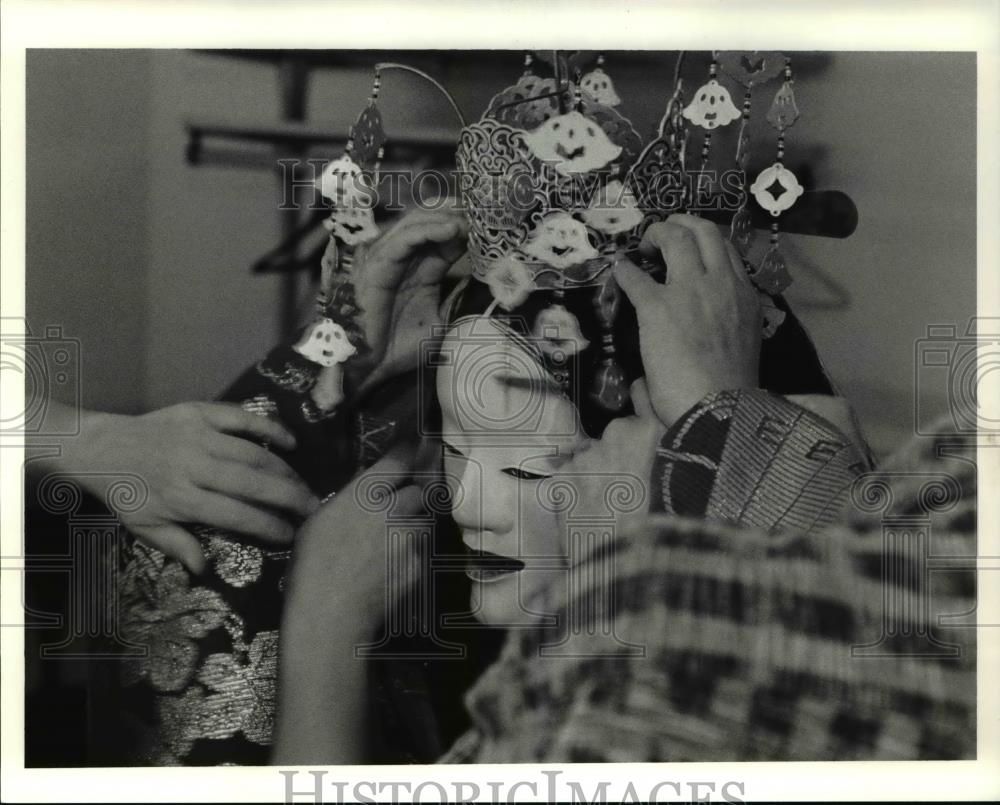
(558, 185)
(553, 176)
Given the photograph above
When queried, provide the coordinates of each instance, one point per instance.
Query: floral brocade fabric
(205, 693)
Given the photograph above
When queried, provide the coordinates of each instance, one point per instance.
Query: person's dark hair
(789, 363)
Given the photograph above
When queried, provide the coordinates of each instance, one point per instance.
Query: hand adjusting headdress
(558, 186)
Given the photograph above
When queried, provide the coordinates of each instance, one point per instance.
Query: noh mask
(561, 241)
(711, 107)
(572, 143)
(325, 343)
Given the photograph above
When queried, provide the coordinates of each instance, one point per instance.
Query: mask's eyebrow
(545, 384)
(451, 448)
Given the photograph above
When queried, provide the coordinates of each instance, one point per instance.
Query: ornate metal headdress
(557, 186)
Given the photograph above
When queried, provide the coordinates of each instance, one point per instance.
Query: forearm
(78, 449)
(321, 695)
(322, 690)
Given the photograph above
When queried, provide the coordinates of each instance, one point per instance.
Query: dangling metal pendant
(598, 85)
(771, 316)
(711, 106)
(751, 67)
(783, 112)
(743, 150)
(368, 134)
(776, 189)
(741, 231)
(772, 276)
(558, 333)
(610, 388)
(329, 264)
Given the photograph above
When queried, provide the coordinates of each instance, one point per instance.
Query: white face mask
(501, 439)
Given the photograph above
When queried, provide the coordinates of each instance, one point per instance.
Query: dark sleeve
(750, 457)
(330, 448)
(204, 692)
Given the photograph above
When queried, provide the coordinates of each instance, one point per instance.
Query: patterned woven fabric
(206, 694)
(836, 644)
(753, 458)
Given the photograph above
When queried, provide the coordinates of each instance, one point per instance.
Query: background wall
(88, 204)
(146, 258)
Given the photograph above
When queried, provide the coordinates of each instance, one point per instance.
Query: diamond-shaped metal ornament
(751, 67)
(368, 134)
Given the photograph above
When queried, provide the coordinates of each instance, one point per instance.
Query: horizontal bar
(822, 213)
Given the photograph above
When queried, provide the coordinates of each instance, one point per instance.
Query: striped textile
(717, 642)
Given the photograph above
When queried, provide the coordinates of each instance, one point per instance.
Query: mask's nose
(475, 508)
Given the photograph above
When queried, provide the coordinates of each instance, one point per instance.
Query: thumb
(639, 393)
(175, 542)
(639, 287)
(398, 462)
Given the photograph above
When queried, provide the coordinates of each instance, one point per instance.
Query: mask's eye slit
(524, 475)
(451, 450)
